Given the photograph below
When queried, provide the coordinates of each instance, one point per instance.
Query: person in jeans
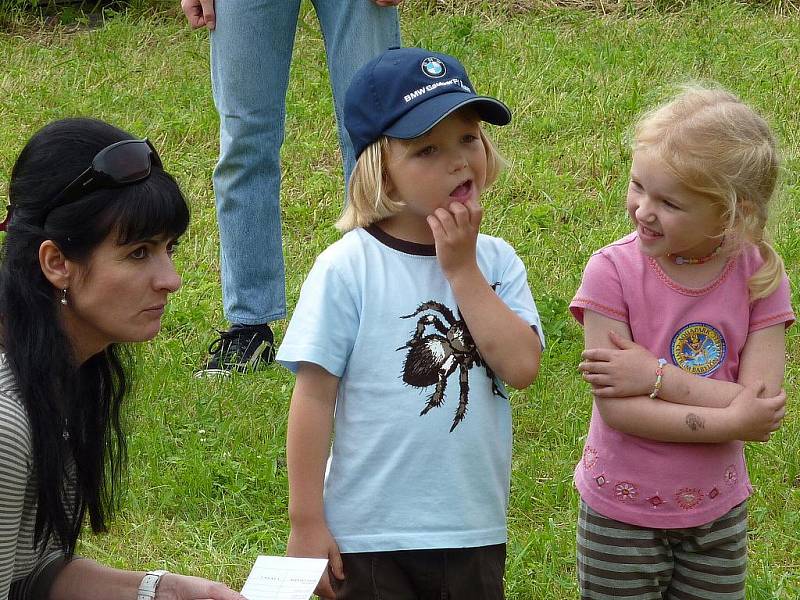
(251, 50)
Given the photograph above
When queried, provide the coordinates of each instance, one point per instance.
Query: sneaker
(241, 348)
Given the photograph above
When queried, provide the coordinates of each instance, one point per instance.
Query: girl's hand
(756, 418)
(630, 370)
(316, 541)
(455, 233)
(182, 587)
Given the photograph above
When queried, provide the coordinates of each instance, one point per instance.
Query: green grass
(208, 486)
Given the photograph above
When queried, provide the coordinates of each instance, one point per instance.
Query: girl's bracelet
(659, 377)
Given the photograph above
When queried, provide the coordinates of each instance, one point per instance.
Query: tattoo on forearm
(695, 422)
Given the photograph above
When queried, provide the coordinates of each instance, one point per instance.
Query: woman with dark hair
(87, 264)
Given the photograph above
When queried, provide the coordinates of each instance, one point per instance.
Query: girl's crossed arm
(506, 342)
(626, 368)
(308, 442)
(723, 411)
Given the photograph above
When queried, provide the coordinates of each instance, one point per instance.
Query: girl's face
(446, 165)
(120, 295)
(669, 217)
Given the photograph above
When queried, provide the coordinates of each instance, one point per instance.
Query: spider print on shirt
(432, 358)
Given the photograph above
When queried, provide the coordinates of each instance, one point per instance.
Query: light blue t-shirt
(378, 313)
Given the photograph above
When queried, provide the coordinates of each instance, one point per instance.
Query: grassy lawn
(208, 488)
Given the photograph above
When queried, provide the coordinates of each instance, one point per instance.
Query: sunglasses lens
(125, 163)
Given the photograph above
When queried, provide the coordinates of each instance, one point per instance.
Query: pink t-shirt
(669, 485)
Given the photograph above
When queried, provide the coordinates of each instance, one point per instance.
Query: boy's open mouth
(462, 191)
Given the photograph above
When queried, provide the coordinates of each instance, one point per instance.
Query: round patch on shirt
(698, 348)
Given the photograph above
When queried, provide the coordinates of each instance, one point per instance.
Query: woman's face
(120, 294)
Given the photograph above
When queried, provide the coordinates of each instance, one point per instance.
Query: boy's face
(446, 165)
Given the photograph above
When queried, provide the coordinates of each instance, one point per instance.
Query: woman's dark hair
(73, 407)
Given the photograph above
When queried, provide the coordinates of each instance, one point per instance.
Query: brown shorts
(442, 574)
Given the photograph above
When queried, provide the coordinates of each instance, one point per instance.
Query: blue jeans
(251, 49)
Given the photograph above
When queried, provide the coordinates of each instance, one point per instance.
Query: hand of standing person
(315, 540)
(200, 13)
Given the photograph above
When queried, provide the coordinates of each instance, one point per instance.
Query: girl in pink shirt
(684, 322)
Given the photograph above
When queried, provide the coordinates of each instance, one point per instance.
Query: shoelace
(229, 342)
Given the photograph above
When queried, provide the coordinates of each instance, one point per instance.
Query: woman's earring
(64, 297)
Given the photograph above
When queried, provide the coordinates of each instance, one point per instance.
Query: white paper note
(283, 578)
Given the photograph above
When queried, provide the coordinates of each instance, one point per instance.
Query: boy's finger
(460, 214)
(324, 588)
(436, 227)
(336, 564)
(445, 219)
(475, 213)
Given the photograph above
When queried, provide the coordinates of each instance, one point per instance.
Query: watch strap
(149, 583)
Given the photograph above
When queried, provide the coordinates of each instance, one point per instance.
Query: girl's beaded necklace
(682, 260)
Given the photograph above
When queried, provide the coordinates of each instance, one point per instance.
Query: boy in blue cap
(403, 335)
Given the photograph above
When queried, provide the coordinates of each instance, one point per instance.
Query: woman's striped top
(22, 566)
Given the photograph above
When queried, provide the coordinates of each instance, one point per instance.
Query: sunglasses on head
(117, 165)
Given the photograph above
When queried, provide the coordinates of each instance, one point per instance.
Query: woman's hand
(315, 541)
(183, 587)
(628, 370)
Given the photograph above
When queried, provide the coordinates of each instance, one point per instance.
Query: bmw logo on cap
(433, 67)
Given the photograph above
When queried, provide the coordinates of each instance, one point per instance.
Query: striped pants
(618, 560)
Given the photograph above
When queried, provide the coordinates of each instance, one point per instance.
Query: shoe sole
(215, 373)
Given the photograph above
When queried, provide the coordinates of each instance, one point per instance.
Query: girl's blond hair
(718, 147)
(367, 200)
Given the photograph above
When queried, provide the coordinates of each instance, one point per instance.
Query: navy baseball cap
(405, 92)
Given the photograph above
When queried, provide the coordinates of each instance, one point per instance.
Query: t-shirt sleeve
(600, 291)
(775, 308)
(38, 583)
(324, 323)
(516, 293)
(15, 454)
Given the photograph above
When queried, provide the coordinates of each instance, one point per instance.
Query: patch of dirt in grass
(512, 7)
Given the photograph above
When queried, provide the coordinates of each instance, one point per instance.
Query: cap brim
(423, 117)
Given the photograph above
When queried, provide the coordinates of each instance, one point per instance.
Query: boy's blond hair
(720, 148)
(367, 200)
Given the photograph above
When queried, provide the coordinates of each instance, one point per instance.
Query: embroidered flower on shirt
(589, 457)
(731, 476)
(688, 498)
(625, 491)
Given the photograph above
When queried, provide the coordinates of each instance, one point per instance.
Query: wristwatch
(147, 588)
